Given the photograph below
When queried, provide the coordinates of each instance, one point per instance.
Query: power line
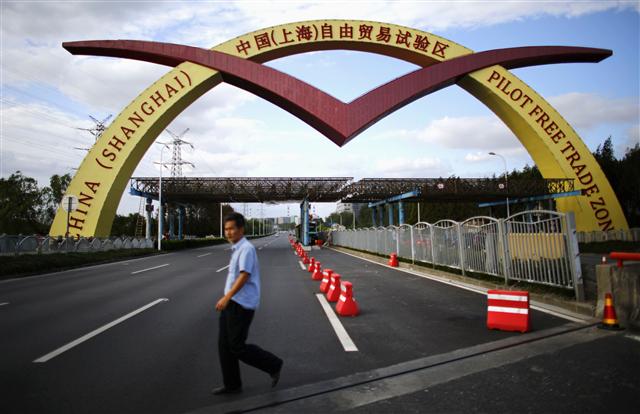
(30, 127)
(53, 104)
(49, 148)
(39, 112)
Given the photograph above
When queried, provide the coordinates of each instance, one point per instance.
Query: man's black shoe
(276, 377)
(225, 390)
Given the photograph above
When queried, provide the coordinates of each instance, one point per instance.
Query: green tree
(53, 194)
(21, 203)
(628, 186)
(124, 225)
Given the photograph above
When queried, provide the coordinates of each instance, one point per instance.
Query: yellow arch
(554, 146)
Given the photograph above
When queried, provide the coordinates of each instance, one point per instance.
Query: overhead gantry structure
(378, 193)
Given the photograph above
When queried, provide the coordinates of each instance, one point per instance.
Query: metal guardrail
(10, 244)
(535, 246)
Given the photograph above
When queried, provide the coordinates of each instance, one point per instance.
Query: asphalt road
(164, 358)
(593, 377)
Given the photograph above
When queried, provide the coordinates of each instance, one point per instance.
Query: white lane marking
(149, 268)
(4, 303)
(95, 332)
(260, 248)
(222, 268)
(206, 254)
(342, 334)
(301, 265)
(82, 269)
(533, 304)
(634, 337)
(211, 246)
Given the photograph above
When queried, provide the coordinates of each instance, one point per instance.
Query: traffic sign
(69, 203)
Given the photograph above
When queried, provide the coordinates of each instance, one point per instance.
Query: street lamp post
(506, 180)
(164, 146)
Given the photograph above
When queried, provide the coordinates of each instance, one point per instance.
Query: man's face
(232, 232)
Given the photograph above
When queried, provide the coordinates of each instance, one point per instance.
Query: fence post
(460, 247)
(569, 222)
(433, 249)
(503, 251)
(413, 250)
(398, 241)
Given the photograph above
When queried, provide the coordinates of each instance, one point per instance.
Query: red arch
(337, 120)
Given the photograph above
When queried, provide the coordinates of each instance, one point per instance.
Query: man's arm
(237, 285)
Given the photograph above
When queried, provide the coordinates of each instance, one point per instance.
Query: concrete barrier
(632, 234)
(624, 284)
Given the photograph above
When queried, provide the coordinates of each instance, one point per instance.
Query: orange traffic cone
(317, 272)
(333, 294)
(326, 278)
(347, 305)
(609, 318)
(312, 265)
(305, 259)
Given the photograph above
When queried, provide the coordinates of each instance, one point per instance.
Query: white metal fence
(535, 246)
(10, 244)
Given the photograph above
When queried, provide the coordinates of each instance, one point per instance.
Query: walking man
(237, 306)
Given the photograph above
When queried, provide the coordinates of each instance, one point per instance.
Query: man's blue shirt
(244, 259)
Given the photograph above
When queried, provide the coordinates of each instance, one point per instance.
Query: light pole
(506, 180)
(164, 146)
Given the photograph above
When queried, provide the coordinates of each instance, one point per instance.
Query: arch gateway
(553, 144)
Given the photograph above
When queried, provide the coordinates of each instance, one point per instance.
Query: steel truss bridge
(330, 189)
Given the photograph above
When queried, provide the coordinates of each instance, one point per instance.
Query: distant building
(349, 207)
(344, 207)
(284, 220)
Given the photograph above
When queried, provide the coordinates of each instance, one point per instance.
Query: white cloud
(39, 140)
(633, 137)
(428, 15)
(587, 110)
(470, 132)
(482, 156)
(477, 156)
(399, 167)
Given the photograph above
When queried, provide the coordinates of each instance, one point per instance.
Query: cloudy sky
(47, 94)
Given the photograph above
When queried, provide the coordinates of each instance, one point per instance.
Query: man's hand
(237, 285)
(222, 303)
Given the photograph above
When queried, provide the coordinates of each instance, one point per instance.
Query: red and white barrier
(508, 310)
(317, 272)
(347, 305)
(326, 279)
(333, 293)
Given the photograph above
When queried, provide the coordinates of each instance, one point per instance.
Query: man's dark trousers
(234, 329)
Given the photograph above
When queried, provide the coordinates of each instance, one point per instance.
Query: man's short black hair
(236, 218)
